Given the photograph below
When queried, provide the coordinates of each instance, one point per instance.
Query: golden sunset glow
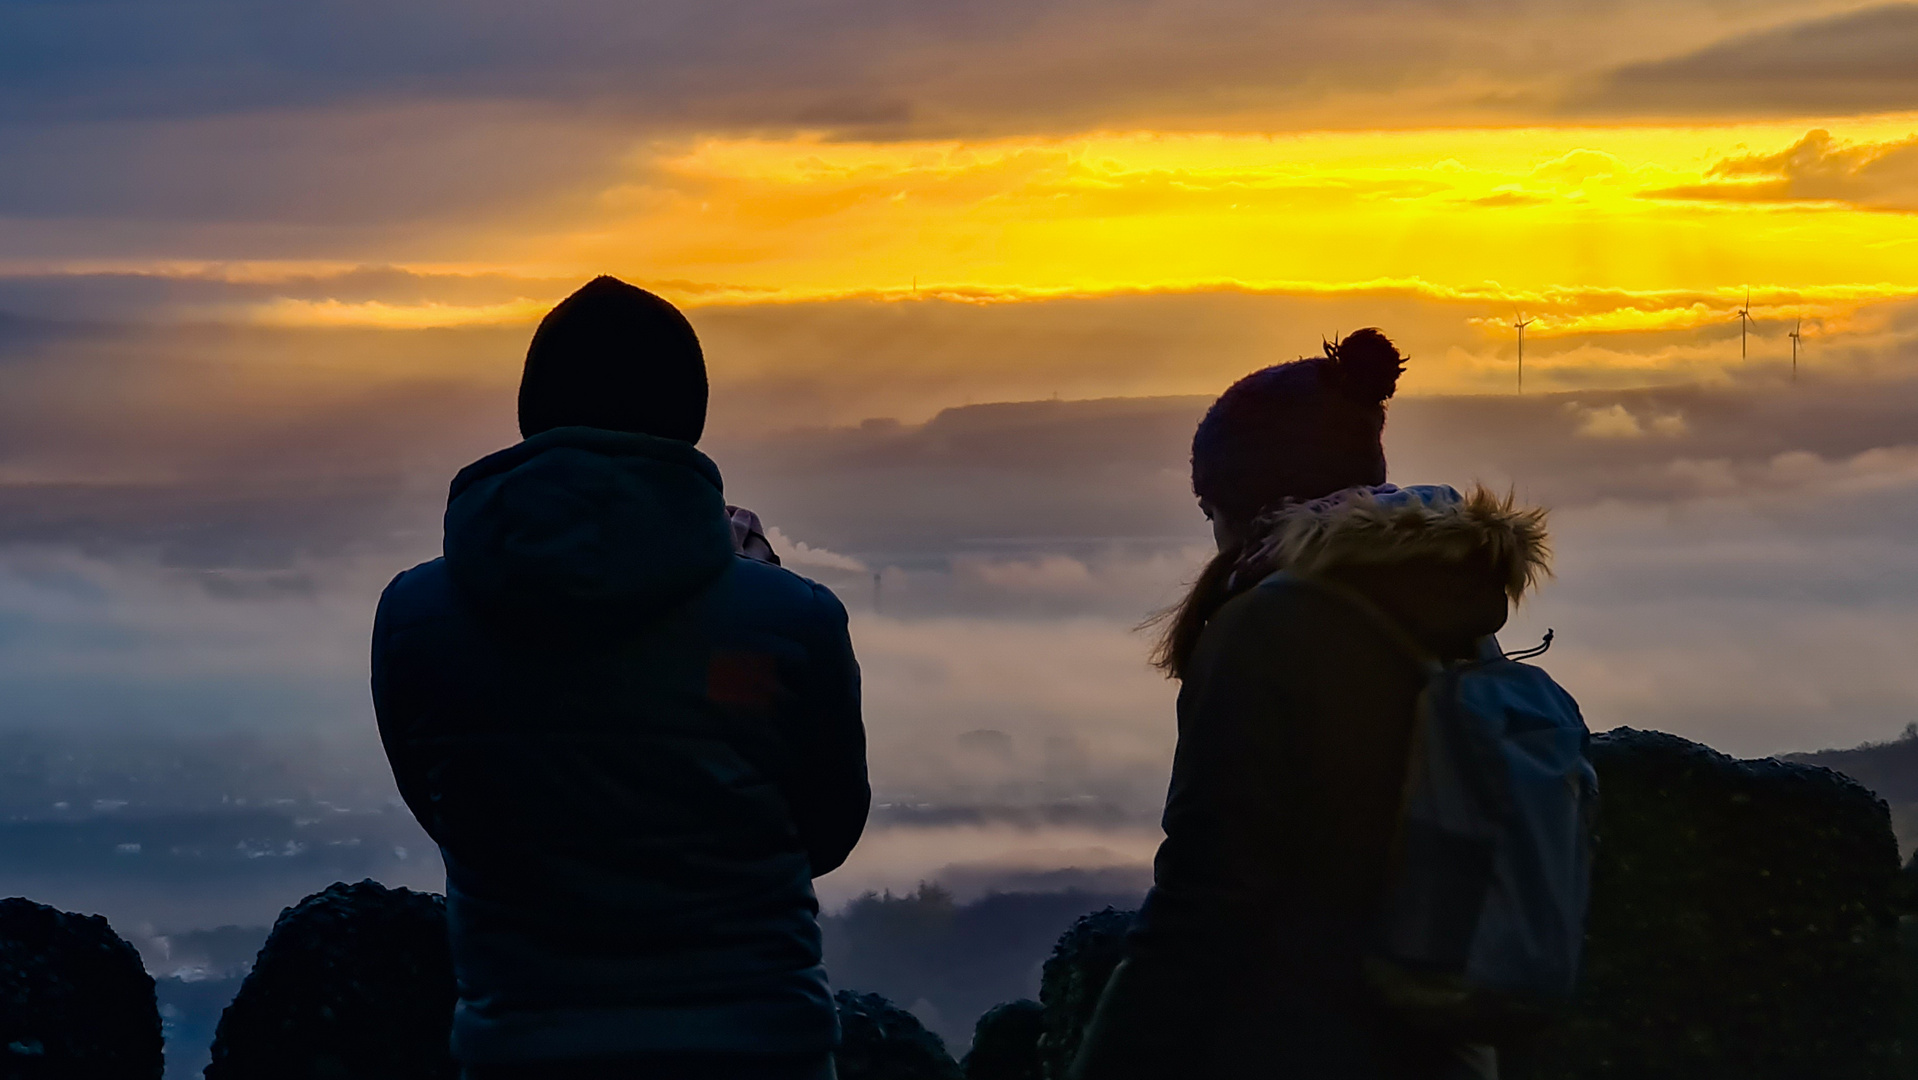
(285, 311)
(1594, 232)
(1518, 212)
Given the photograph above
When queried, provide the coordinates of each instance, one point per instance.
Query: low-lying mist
(197, 523)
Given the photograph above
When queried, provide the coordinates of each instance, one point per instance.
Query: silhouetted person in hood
(635, 747)
(1296, 713)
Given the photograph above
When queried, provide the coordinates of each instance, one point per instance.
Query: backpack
(1483, 922)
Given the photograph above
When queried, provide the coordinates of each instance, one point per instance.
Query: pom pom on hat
(1366, 365)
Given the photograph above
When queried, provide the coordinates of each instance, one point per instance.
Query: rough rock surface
(354, 982)
(74, 1000)
(1005, 1043)
(1743, 924)
(881, 1041)
(1072, 980)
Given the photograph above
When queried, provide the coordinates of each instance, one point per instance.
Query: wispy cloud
(290, 312)
(1817, 168)
(1615, 421)
(803, 555)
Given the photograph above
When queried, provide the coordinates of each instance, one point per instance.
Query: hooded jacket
(634, 748)
(1295, 722)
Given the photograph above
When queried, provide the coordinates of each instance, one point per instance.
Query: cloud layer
(344, 130)
(849, 63)
(1855, 62)
(1818, 168)
(1733, 565)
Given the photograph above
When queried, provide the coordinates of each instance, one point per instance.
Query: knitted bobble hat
(1298, 431)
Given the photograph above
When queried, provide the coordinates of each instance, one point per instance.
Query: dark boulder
(353, 982)
(1743, 924)
(1005, 1043)
(1908, 957)
(1073, 978)
(881, 1041)
(74, 999)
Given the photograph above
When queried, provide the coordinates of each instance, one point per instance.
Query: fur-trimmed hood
(1446, 564)
(1387, 524)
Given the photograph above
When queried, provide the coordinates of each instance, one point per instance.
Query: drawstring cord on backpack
(1536, 650)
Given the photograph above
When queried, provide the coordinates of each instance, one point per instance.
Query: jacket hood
(582, 524)
(1445, 564)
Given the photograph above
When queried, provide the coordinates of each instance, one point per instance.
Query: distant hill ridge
(1888, 768)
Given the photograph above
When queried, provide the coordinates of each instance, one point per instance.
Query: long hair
(1480, 526)
(1183, 622)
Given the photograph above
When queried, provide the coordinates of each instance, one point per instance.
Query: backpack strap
(1428, 664)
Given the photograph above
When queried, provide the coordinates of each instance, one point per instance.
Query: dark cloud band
(1853, 63)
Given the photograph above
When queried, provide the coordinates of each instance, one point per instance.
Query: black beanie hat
(1300, 430)
(616, 357)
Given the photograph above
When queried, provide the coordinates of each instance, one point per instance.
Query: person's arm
(390, 711)
(827, 787)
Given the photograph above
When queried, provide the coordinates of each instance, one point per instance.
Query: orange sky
(1623, 175)
(1620, 241)
(1528, 209)
(1545, 218)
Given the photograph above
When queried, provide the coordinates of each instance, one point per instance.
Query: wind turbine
(1520, 324)
(1795, 335)
(1744, 321)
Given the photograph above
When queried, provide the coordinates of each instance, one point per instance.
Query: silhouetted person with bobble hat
(1296, 712)
(635, 746)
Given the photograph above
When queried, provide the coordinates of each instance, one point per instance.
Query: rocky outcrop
(1073, 978)
(74, 1000)
(881, 1041)
(1743, 924)
(353, 982)
(1005, 1043)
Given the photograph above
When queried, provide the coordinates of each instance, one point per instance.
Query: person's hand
(749, 537)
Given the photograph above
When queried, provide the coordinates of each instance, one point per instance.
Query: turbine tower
(1744, 321)
(1520, 324)
(1796, 333)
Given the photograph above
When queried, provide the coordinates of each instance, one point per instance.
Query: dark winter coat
(1295, 720)
(635, 750)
